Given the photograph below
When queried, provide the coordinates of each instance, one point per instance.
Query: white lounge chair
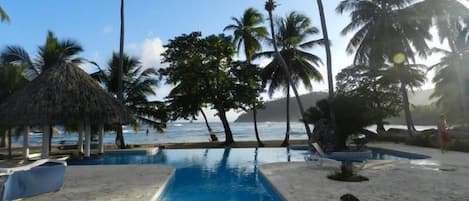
(42, 176)
(354, 156)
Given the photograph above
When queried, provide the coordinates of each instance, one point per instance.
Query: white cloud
(149, 51)
(107, 29)
(152, 49)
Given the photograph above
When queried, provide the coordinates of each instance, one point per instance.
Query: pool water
(219, 174)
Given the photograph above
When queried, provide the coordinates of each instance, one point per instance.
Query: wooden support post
(87, 139)
(101, 138)
(81, 130)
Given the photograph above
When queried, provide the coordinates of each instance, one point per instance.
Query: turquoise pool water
(220, 174)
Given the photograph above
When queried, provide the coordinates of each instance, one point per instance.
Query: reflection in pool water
(217, 174)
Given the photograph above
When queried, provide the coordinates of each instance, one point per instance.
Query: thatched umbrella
(62, 95)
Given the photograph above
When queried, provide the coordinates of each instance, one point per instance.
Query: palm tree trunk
(119, 134)
(4, 140)
(206, 121)
(254, 118)
(9, 144)
(330, 80)
(287, 74)
(120, 143)
(254, 110)
(226, 126)
(50, 137)
(408, 115)
(285, 142)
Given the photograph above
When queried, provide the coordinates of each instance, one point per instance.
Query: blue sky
(149, 25)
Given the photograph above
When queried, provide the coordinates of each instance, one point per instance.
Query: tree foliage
(383, 99)
(452, 77)
(138, 84)
(293, 32)
(52, 53)
(203, 68)
(351, 114)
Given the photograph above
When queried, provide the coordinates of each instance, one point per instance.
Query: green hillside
(274, 111)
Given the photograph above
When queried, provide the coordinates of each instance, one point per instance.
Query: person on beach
(443, 133)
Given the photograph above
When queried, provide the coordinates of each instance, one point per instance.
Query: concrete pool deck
(111, 182)
(416, 180)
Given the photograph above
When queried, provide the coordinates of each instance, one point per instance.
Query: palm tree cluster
(291, 41)
(390, 35)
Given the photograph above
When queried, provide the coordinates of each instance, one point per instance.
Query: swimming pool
(219, 174)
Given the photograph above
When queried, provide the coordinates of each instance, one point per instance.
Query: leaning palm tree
(383, 29)
(249, 31)
(294, 30)
(409, 76)
(330, 81)
(4, 15)
(138, 83)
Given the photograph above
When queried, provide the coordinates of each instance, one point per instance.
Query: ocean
(192, 132)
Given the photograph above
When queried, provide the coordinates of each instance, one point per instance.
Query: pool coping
(149, 151)
(89, 183)
(435, 159)
(164, 188)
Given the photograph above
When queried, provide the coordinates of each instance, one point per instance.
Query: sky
(149, 24)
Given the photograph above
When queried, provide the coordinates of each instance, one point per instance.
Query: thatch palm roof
(62, 95)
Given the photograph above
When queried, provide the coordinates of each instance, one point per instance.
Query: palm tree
(248, 31)
(120, 73)
(53, 53)
(450, 78)
(408, 76)
(330, 81)
(292, 63)
(4, 15)
(11, 79)
(138, 83)
(384, 30)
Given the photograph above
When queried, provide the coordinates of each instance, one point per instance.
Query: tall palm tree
(384, 30)
(450, 78)
(138, 83)
(292, 63)
(330, 81)
(120, 73)
(249, 31)
(4, 15)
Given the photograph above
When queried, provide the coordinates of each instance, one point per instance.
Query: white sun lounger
(358, 156)
(42, 176)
